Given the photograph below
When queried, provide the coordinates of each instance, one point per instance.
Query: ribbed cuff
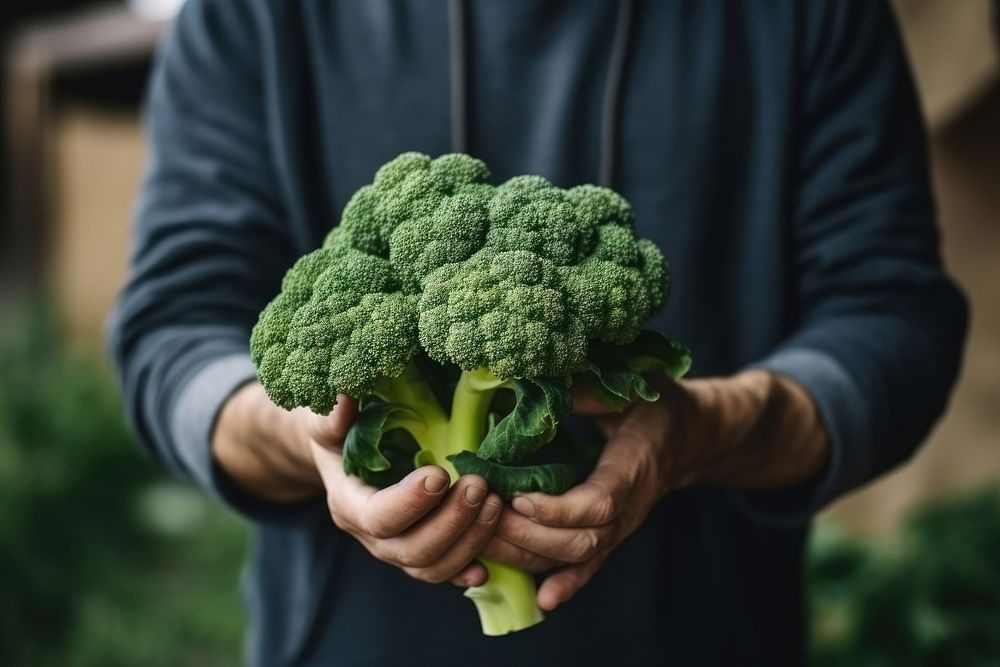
(192, 424)
(847, 420)
(198, 407)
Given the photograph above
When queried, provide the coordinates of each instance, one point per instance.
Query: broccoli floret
(517, 279)
(339, 325)
(439, 290)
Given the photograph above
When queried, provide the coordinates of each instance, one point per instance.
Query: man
(775, 153)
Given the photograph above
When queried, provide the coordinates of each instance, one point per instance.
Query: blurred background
(104, 561)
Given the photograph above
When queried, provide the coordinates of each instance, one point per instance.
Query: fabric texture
(774, 151)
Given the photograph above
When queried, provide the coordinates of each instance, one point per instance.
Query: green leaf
(614, 373)
(399, 447)
(539, 405)
(652, 350)
(551, 478)
(615, 384)
(374, 451)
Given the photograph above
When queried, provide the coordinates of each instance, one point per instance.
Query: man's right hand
(431, 532)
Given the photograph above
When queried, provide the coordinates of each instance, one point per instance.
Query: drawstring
(458, 56)
(612, 94)
(612, 85)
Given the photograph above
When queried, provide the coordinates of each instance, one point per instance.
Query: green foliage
(552, 478)
(614, 373)
(539, 405)
(930, 598)
(103, 563)
(375, 450)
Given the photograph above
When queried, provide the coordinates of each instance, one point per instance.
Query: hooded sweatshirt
(772, 149)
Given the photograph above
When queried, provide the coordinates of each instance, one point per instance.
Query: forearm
(265, 449)
(762, 430)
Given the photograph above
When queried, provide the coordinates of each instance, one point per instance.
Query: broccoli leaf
(540, 404)
(652, 350)
(614, 373)
(615, 384)
(369, 453)
(551, 478)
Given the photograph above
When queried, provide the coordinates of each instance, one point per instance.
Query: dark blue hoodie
(772, 148)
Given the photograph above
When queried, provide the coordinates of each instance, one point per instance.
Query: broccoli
(459, 313)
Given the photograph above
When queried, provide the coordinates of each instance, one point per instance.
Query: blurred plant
(930, 597)
(102, 562)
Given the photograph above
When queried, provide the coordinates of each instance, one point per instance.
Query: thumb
(329, 431)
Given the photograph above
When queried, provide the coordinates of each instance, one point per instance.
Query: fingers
(503, 551)
(330, 431)
(561, 586)
(330, 465)
(464, 549)
(473, 574)
(423, 544)
(432, 534)
(567, 545)
(595, 502)
(599, 499)
(389, 512)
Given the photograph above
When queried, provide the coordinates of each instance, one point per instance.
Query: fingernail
(523, 506)
(489, 512)
(474, 494)
(434, 483)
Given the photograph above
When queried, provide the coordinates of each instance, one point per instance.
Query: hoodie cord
(612, 86)
(458, 59)
(612, 94)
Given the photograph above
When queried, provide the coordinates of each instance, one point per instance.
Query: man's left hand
(754, 430)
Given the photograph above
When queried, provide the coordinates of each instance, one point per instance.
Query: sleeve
(210, 245)
(880, 326)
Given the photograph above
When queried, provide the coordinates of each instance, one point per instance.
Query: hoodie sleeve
(210, 246)
(880, 325)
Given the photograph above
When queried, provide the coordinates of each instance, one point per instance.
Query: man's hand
(752, 431)
(431, 532)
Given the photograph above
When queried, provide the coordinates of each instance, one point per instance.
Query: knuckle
(416, 501)
(419, 557)
(333, 509)
(604, 508)
(325, 430)
(583, 545)
(454, 519)
(335, 435)
(376, 527)
(340, 520)
(387, 553)
(513, 534)
(556, 513)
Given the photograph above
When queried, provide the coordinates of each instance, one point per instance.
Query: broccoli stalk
(506, 602)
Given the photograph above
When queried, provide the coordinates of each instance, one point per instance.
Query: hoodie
(773, 150)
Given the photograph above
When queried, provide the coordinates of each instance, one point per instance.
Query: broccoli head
(517, 279)
(436, 292)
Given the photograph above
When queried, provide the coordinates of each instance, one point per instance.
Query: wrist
(761, 430)
(263, 448)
